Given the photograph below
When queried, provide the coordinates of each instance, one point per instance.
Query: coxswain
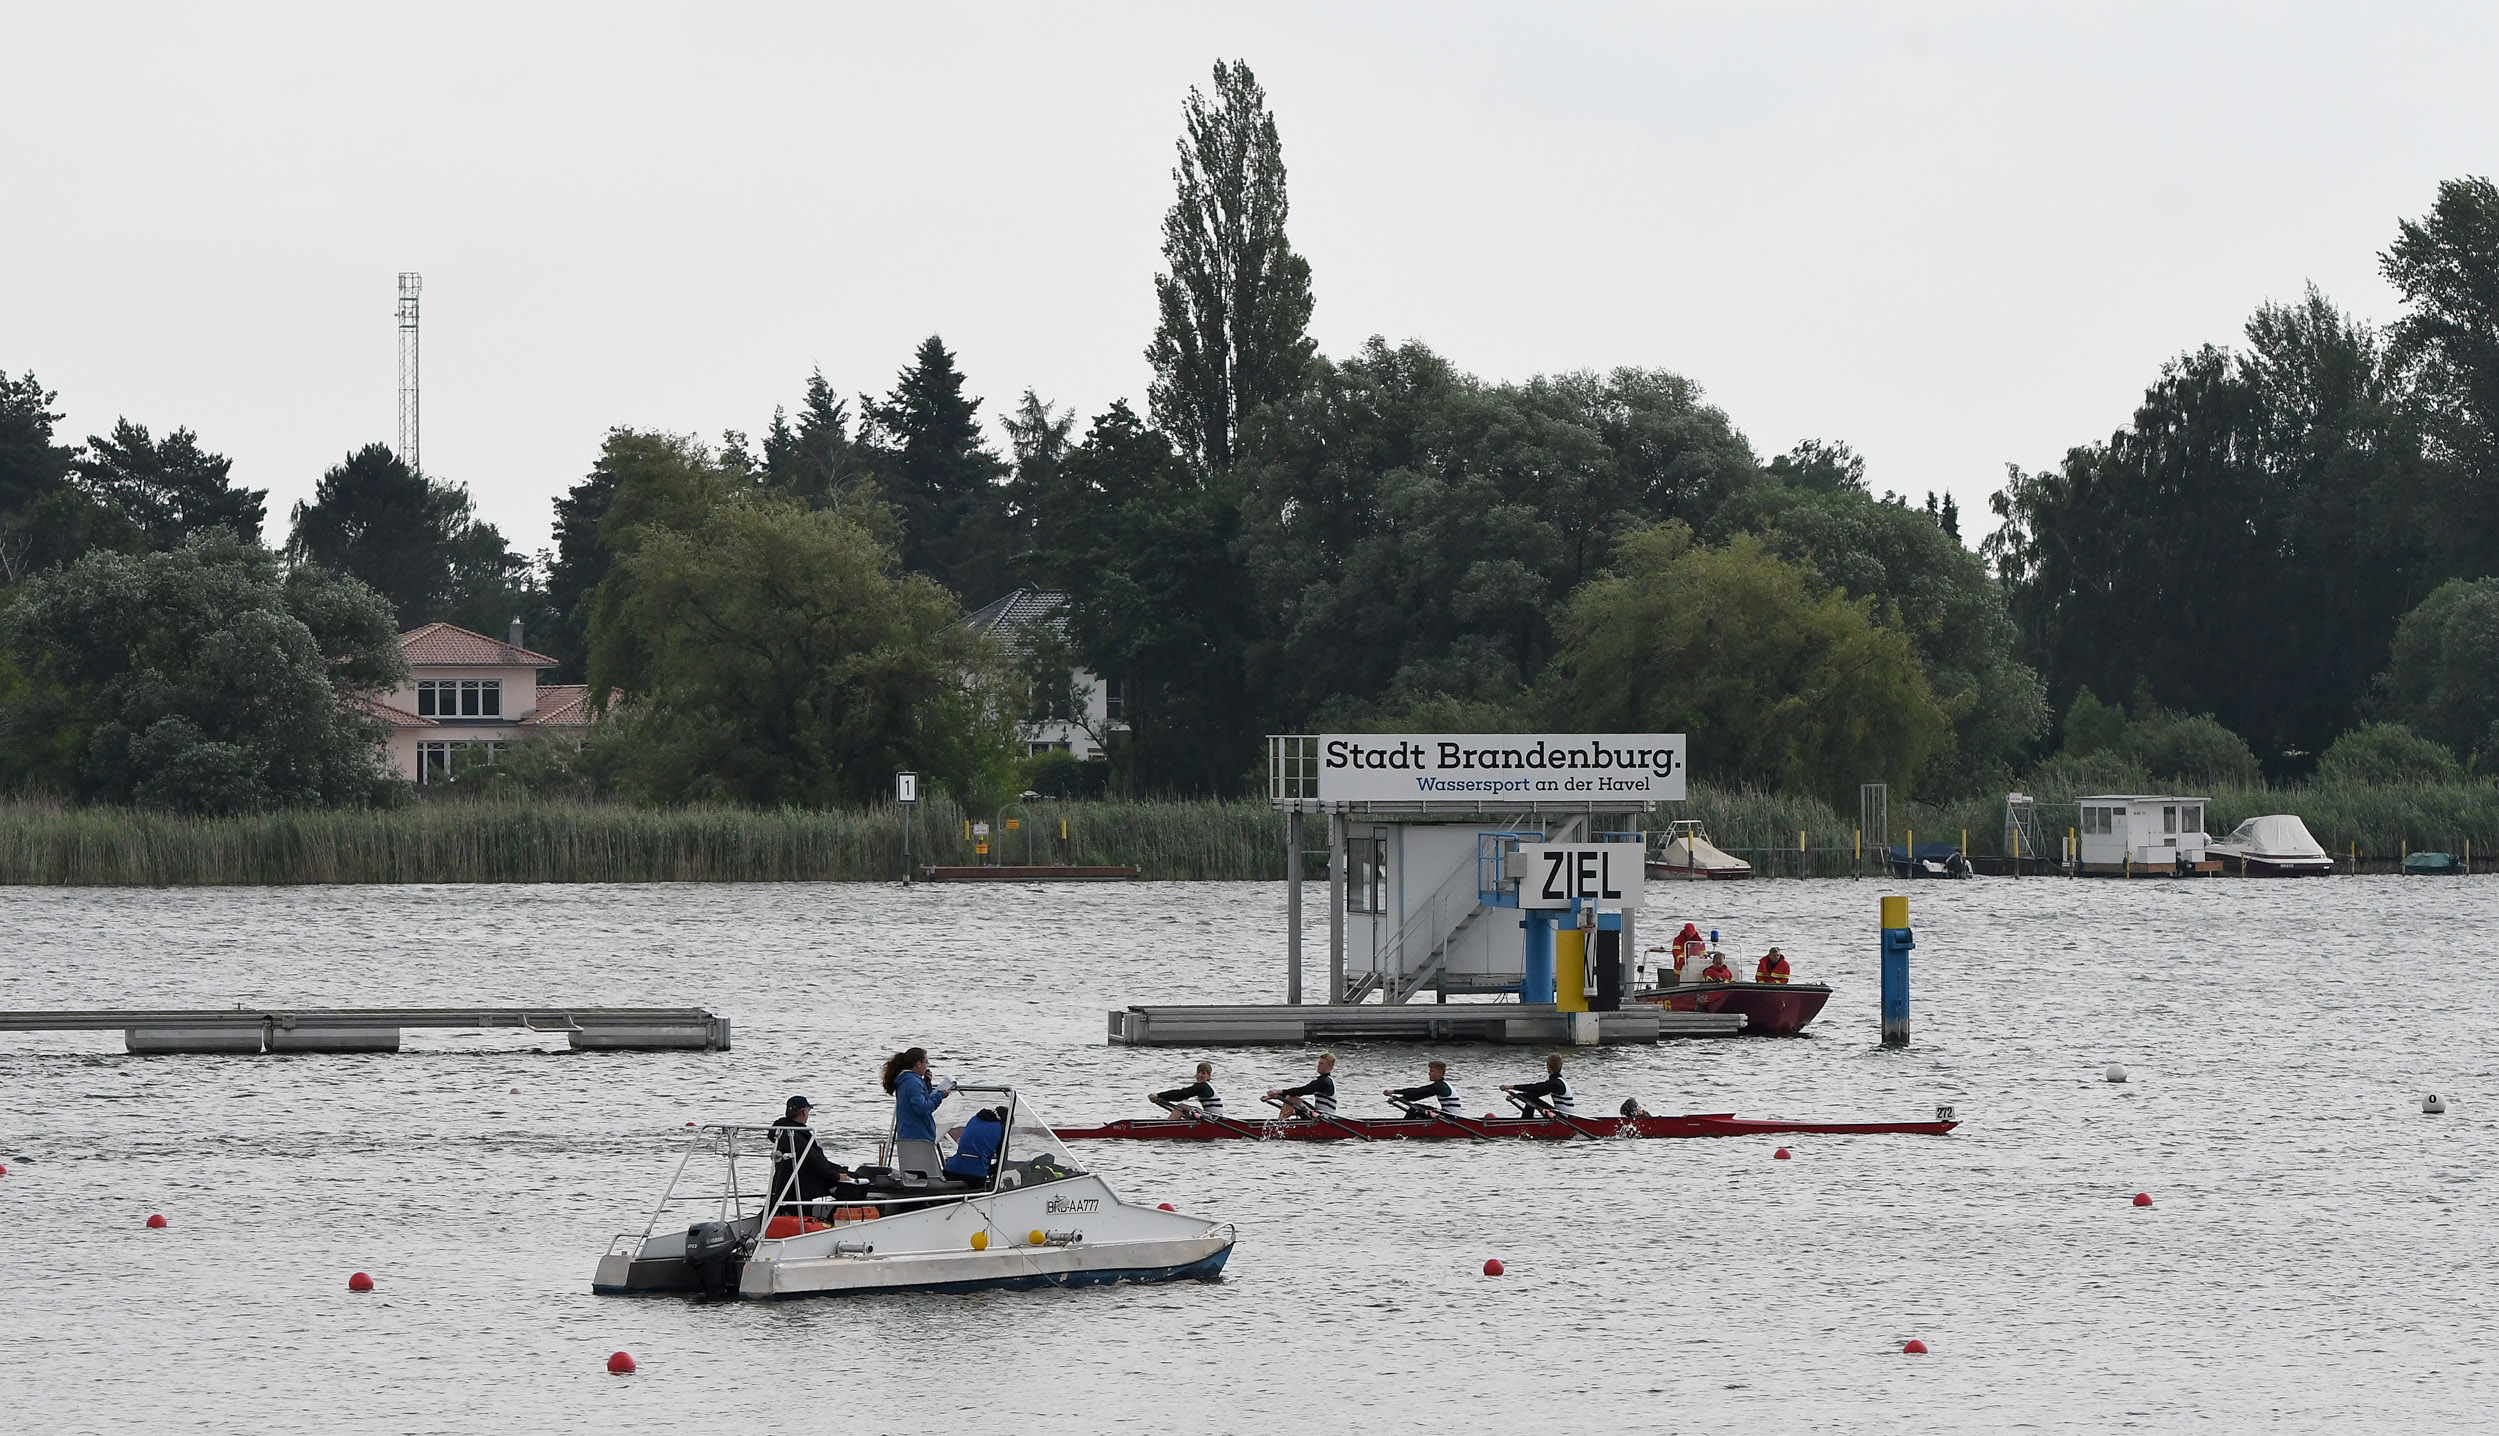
(1771, 968)
(1314, 1098)
(1436, 1089)
(1549, 1098)
(1201, 1092)
(1717, 971)
(1632, 1108)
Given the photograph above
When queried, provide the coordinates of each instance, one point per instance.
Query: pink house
(468, 691)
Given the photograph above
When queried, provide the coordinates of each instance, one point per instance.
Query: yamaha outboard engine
(713, 1254)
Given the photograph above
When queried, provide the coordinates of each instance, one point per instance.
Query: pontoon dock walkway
(376, 1029)
(1537, 1023)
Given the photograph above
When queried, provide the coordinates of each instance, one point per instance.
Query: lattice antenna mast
(409, 284)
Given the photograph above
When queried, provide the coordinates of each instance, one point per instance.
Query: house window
(1114, 700)
(2191, 818)
(460, 698)
(2099, 820)
(441, 762)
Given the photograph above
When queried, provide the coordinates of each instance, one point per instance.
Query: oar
(1199, 1115)
(1416, 1109)
(1318, 1116)
(1562, 1117)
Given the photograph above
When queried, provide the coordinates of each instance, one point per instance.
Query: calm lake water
(2320, 1254)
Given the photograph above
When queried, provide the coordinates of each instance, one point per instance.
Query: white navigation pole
(906, 793)
(409, 283)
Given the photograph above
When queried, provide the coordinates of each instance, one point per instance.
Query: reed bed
(543, 841)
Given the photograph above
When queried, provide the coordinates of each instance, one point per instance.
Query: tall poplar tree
(1235, 298)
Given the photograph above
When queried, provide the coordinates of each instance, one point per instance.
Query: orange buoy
(1494, 1267)
(157, 1220)
(1779, 1155)
(360, 1282)
(1913, 1347)
(2143, 1199)
(1166, 1206)
(621, 1364)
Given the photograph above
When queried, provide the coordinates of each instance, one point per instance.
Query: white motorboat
(1690, 855)
(729, 1225)
(2277, 845)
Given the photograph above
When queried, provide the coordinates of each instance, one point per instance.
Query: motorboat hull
(1771, 1009)
(2270, 865)
(1459, 1129)
(1680, 873)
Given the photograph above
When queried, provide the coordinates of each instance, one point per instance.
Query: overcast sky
(1954, 236)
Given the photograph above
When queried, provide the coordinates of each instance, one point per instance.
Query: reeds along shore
(541, 841)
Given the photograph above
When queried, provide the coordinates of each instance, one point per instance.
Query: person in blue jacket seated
(976, 1151)
(917, 1092)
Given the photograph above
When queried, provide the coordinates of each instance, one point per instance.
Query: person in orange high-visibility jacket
(1717, 971)
(1771, 968)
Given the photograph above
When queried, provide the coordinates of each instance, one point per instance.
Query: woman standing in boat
(916, 1095)
(1549, 1098)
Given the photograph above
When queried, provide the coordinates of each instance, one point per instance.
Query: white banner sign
(1500, 768)
(1558, 874)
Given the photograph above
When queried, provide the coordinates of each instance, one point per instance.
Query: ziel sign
(1559, 874)
(1629, 768)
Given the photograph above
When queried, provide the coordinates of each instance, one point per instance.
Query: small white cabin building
(2141, 832)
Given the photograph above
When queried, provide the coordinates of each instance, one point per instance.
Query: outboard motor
(713, 1254)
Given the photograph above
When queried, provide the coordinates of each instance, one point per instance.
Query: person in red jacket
(1771, 968)
(1717, 971)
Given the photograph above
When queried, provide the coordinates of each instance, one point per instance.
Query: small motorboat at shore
(1690, 856)
(1927, 860)
(2277, 845)
(1450, 1127)
(1038, 1219)
(1771, 1009)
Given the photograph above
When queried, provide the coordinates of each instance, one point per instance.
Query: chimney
(516, 634)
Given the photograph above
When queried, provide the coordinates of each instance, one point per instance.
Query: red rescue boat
(1771, 1009)
(1446, 1128)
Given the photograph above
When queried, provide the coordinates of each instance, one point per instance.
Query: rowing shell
(1442, 1129)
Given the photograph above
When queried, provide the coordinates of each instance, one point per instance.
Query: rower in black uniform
(1201, 1092)
(1549, 1098)
(1319, 1092)
(1413, 1098)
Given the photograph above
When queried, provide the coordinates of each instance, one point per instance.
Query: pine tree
(941, 477)
(1235, 299)
(172, 488)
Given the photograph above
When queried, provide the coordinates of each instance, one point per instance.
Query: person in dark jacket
(1437, 1090)
(1314, 1098)
(1549, 1098)
(1201, 1092)
(801, 1172)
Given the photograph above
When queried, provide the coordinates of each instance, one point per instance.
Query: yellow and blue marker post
(1896, 944)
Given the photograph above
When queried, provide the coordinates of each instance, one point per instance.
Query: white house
(1016, 621)
(2143, 832)
(468, 692)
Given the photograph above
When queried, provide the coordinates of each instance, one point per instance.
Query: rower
(1412, 1098)
(1320, 1092)
(1549, 1098)
(1201, 1092)
(1717, 971)
(1771, 968)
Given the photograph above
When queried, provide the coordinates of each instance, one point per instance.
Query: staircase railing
(1425, 936)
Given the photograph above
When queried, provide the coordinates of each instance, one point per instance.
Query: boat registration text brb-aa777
(1535, 767)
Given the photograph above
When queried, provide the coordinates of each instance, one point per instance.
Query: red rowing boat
(1453, 1129)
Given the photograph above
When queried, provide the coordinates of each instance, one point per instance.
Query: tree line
(2290, 545)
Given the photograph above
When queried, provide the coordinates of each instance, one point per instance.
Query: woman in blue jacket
(916, 1095)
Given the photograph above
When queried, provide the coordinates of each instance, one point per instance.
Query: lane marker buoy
(621, 1364)
(1913, 1347)
(157, 1219)
(2143, 1199)
(360, 1282)
(2116, 1073)
(1166, 1206)
(2431, 1105)
(1493, 1267)
(1779, 1155)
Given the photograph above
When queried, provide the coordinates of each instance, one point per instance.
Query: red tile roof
(561, 705)
(393, 714)
(444, 645)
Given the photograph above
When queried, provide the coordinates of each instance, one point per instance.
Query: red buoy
(2143, 1199)
(621, 1364)
(157, 1220)
(1779, 1155)
(1913, 1347)
(1493, 1267)
(4, 1169)
(360, 1282)
(1166, 1206)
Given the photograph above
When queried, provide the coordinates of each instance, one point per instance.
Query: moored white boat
(1039, 1219)
(2275, 846)
(1690, 855)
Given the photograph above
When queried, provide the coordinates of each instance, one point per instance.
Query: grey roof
(1009, 618)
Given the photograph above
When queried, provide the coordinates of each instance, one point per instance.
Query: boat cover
(2277, 835)
(1700, 854)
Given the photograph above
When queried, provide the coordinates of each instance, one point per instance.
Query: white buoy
(2116, 1073)
(2433, 1104)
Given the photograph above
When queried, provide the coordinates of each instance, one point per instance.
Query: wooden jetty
(1532, 1023)
(377, 1029)
(1028, 873)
